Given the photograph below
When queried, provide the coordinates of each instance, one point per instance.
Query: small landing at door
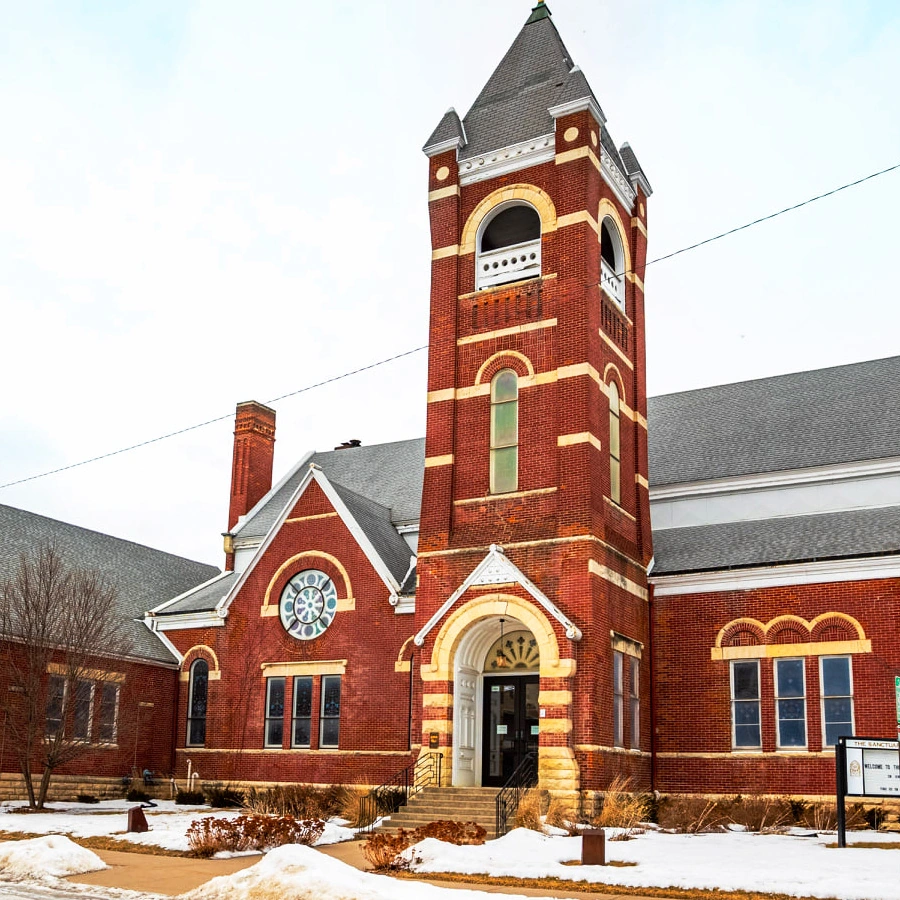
(511, 725)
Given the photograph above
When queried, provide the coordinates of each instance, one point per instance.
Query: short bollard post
(137, 821)
(593, 847)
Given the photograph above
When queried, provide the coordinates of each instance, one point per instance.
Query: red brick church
(701, 592)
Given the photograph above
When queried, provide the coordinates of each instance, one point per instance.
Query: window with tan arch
(198, 693)
(504, 432)
(508, 245)
(615, 480)
(612, 262)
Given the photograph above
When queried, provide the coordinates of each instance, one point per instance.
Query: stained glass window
(274, 730)
(302, 719)
(504, 432)
(197, 703)
(329, 724)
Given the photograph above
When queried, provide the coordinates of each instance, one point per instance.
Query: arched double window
(615, 483)
(509, 245)
(504, 432)
(612, 262)
(198, 693)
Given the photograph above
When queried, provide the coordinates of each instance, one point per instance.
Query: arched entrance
(495, 710)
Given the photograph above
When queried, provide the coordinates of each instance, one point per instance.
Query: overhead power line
(390, 359)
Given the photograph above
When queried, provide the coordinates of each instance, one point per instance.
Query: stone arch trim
(345, 602)
(527, 193)
(608, 209)
(738, 627)
(613, 373)
(440, 666)
(506, 358)
(200, 651)
(823, 620)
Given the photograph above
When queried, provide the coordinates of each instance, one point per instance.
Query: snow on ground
(52, 855)
(168, 822)
(303, 874)
(774, 863)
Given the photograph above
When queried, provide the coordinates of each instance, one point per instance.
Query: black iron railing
(523, 777)
(387, 798)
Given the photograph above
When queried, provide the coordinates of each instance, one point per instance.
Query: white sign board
(873, 768)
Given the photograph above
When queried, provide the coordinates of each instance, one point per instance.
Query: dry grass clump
(352, 807)
(302, 801)
(208, 836)
(690, 815)
(528, 813)
(759, 813)
(622, 807)
(559, 815)
(382, 850)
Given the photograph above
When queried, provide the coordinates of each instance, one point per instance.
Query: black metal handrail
(524, 776)
(387, 798)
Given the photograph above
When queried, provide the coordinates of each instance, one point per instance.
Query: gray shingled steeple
(448, 135)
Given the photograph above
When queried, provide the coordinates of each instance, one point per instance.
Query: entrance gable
(497, 568)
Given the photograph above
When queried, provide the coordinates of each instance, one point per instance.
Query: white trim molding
(497, 568)
(833, 570)
(507, 159)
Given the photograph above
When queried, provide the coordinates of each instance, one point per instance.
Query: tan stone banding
(310, 667)
(616, 578)
(606, 748)
(639, 479)
(542, 542)
(556, 726)
(328, 515)
(808, 625)
(577, 370)
(583, 437)
(433, 461)
(774, 651)
(441, 395)
(87, 674)
(402, 665)
(441, 726)
(626, 645)
(607, 208)
(511, 496)
(635, 280)
(505, 332)
(444, 252)
(615, 348)
(452, 190)
(578, 153)
(348, 603)
(323, 751)
(576, 218)
(741, 754)
(620, 509)
(558, 769)
(612, 373)
(637, 223)
(443, 700)
(530, 193)
(555, 698)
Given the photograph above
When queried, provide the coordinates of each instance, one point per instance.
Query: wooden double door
(510, 727)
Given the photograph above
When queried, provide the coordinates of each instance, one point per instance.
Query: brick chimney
(251, 468)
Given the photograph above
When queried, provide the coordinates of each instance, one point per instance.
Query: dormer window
(509, 245)
(612, 263)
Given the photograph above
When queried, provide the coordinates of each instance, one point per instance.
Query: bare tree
(57, 623)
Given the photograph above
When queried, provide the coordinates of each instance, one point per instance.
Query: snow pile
(301, 873)
(51, 855)
(771, 863)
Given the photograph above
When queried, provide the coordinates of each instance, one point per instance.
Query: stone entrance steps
(435, 804)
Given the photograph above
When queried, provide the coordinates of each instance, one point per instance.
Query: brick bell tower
(535, 510)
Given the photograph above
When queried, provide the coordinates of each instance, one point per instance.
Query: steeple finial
(541, 11)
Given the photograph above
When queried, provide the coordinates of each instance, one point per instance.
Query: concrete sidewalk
(174, 875)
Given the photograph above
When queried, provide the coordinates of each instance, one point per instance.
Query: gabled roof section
(203, 598)
(497, 568)
(575, 95)
(143, 577)
(633, 168)
(449, 135)
(514, 104)
(791, 539)
(824, 417)
(391, 475)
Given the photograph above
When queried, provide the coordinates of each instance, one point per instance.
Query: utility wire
(390, 359)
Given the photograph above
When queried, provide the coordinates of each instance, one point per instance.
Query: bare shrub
(452, 832)
(301, 801)
(208, 836)
(690, 815)
(759, 813)
(528, 813)
(822, 816)
(622, 807)
(382, 850)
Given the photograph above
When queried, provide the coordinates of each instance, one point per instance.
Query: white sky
(207, 202)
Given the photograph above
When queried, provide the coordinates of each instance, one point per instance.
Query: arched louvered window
(198, 694)
(504, 432)
(509, 246)
(615, 486)
(612, 262)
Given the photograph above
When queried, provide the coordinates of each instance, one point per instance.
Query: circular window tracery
(308, 604)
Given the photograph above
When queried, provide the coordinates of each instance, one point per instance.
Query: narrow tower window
(509, 248)
(612, 262)
(615, 486)
(197, 697)
(504, 432)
